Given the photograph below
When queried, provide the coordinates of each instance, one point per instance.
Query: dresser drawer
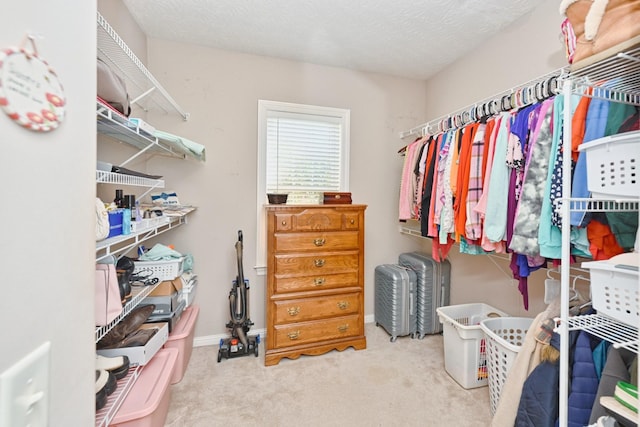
(298, 310)
(319, 330)
(315, 241)
(316, 264)
(315, 282)
(316, 219)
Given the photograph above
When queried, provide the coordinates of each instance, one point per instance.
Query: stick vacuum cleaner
(240, 344)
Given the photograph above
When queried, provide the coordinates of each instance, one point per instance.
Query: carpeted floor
(389, 384)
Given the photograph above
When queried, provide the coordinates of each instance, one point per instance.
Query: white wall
(48, 212)
(221, 91)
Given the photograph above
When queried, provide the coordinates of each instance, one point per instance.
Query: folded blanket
(195, 149)
(160, 252)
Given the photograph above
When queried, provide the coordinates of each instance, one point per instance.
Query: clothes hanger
(579, 302)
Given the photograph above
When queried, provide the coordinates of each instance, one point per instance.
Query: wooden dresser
(315, 280)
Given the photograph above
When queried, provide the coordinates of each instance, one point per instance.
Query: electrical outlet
(24, 390)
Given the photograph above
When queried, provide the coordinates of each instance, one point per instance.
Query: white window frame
(266, 108)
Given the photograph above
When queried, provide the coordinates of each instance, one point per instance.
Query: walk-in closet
(320, 213)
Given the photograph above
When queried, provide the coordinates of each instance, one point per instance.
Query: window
(300, 148)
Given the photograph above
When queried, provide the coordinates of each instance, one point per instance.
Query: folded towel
(197, 150)
(160, 252)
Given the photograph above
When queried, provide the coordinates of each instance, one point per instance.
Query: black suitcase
(433, 289)
(395, 300)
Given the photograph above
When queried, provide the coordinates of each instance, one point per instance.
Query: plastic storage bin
(464, 343)
(181, 339)
(614, 287)
(163, 270)
(613, 164)
(147, 403)
(504, 336)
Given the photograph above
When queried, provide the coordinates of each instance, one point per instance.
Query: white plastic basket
(163, 270)
(613, 166)
(504, 336)
(614, 288)
(464, 343)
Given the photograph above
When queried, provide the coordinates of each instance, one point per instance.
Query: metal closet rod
(519, 96)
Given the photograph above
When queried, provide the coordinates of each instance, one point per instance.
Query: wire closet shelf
(591, 78)
(142, 86)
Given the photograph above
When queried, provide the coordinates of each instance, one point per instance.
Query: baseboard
(215, 339)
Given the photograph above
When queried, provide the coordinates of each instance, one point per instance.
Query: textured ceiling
(407, 38)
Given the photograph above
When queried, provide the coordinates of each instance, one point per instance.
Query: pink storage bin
(181, 338)
(147, 403)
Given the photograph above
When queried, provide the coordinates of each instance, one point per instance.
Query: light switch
(24, 390)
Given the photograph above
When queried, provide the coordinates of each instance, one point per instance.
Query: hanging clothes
(517, 150)
(432, 228)
(418, 171)
(584, 382)
(495, 222)
(463, 178)
(525, 234)
(596, 123)
(408, 180)
(481, 207)
(427, 186)
(550, 234)
(473, 226)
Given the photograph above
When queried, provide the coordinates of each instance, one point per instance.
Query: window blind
(303, 152)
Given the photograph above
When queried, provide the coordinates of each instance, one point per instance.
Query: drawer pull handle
(293, 311)
(319, 242)
(343, 305)
(319, 281)
(352, 221)
(319, 262)
(284, 222)
(343, 328)
(293, 335)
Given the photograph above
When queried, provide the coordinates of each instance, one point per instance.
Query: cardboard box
(171, 319)
(165, 304)
(167, 288)
(141, 355)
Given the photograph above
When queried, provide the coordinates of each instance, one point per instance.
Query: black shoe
(101, 391)
(105, 385)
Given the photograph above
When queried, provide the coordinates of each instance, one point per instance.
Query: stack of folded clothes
(623, 405)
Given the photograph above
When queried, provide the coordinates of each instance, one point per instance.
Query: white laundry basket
(464, 343)
(614, 287)
(504, 336)
(613, 165)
